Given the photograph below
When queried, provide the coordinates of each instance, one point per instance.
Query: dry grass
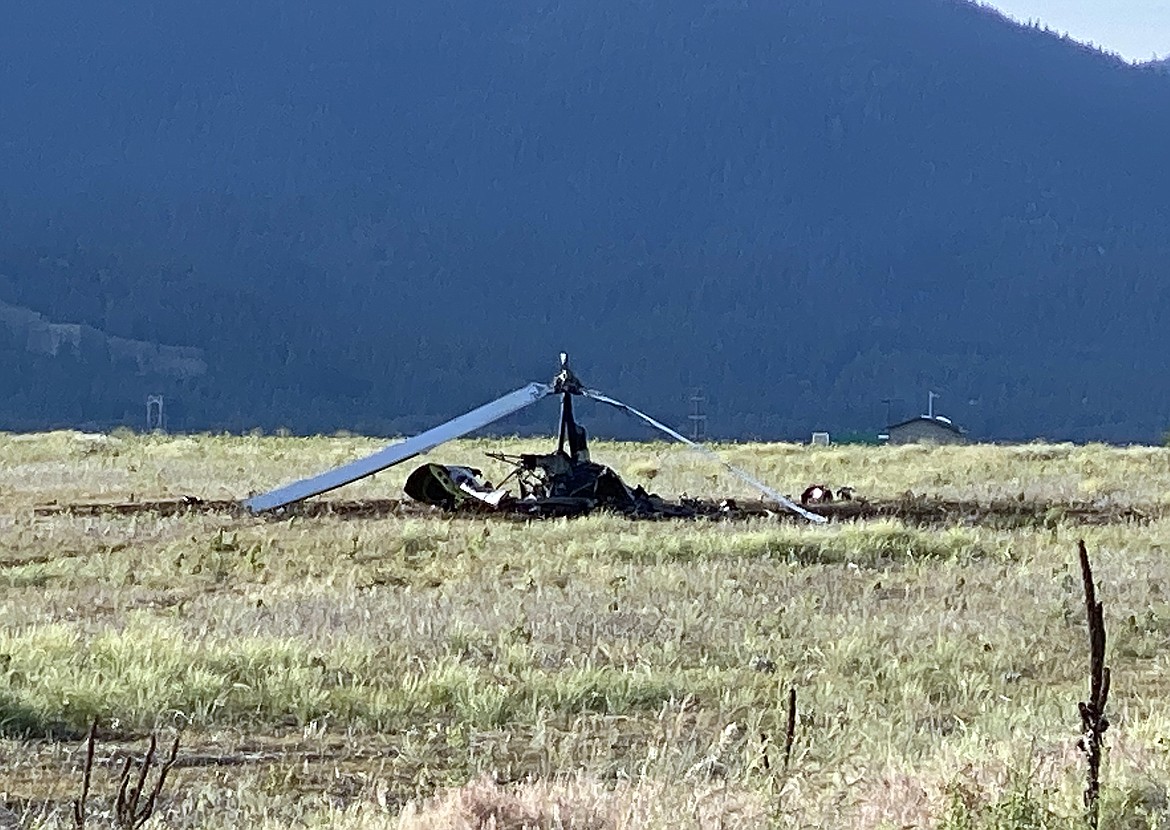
(75, 465)
(582, 803)
(331, 672)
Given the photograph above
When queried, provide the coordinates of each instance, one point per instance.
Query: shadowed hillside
(377, 216)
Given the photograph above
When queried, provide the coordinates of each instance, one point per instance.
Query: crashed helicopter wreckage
(560, 483)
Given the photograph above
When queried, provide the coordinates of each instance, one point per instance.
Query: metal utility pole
(930, 396)
(156, 415)
(698, 417)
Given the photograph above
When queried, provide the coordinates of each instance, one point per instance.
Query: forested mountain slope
(377, 214)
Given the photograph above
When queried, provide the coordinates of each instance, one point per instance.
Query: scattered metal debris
(816, 494)
(912, 510)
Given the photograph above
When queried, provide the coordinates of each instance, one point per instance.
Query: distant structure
(925, 429)
(820, 439)
(156, 415)
(698, 417)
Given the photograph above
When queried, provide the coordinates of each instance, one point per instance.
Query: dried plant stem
(128, 800)
(790, 728)
(87, 773)
(129, 811)
(1093, 720)
(162, 777)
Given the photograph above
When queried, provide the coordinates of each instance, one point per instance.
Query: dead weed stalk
(790, 727)
(130, 812)
(1093, 720)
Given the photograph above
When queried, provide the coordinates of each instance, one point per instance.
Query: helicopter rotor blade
(402, 451)
(678, 436)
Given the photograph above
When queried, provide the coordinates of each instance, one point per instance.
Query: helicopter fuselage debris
(566, 476)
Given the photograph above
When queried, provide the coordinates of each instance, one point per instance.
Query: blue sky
(1135, 29)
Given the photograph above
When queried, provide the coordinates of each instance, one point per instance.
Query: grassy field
(447, 672)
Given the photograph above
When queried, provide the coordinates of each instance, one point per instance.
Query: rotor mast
(566, 384)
